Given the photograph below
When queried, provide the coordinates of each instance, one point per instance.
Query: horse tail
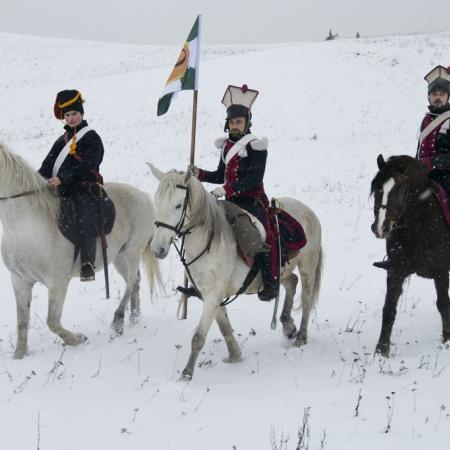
(151, 266)
(318, 277)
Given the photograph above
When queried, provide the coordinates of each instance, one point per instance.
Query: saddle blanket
(443, 197)
(99, 206)
(292, 237)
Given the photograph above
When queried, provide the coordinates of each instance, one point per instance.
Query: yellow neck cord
(73, 145)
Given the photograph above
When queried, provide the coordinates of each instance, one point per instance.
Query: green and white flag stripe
(184, 75)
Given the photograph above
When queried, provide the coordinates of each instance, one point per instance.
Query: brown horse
(409, 217)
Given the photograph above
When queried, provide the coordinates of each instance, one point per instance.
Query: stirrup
(87, 272)
(188, 292)
(382, 264)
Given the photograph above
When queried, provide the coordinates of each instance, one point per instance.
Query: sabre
(273, 324)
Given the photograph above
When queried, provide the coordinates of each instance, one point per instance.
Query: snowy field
(328, 110)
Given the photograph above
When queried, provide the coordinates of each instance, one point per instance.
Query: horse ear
(158, 174)
(381, 162)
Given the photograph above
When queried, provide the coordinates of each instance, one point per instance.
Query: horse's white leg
(135, 301)
(289, 284)
(198, 340)
(130, 272)
(56, 298)
(234, 352)
(307, 277)
(22, 292)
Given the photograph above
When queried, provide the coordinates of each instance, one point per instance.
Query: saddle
(104, 216)
(250, 240)
(251, 236)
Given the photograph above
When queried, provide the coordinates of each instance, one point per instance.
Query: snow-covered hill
(328, 110)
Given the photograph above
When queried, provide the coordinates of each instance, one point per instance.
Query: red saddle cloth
(444, 200)
(292, 237)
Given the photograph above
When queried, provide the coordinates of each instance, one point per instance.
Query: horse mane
(404, 165)
(19, 176)
(204, 210)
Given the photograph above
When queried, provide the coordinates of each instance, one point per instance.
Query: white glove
(218, 192)
(194, 170)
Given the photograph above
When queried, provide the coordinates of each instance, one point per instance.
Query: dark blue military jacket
(76, 173)
(79, 168)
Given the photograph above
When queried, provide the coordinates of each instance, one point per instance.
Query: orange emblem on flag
(181, 66)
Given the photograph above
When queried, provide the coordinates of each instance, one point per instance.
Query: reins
(23, 194)
(180, 233)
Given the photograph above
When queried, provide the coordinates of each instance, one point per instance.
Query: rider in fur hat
(72, 166)
(241, 171)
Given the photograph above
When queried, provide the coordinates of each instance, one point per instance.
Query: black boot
(270, 289)
(87, 255)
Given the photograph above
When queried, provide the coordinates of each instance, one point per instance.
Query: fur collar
(220, 142)
(256, 144)
(260, 144)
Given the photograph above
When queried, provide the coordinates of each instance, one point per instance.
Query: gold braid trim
(70, 102)
(73, 145)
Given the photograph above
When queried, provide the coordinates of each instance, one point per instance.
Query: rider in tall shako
(434, 142)
(72, 166)
(433, 149)
(241, 171)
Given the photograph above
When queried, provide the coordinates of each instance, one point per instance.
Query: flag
(184, 75)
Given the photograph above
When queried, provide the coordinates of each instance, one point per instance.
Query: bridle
(178, 228)
(180, 233)
(399, 215)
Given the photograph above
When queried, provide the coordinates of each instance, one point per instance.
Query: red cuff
(228, 190)
(201, 175)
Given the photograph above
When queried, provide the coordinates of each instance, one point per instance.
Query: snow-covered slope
(328, 109)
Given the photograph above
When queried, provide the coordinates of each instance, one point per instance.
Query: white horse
(220, 272)
(34, 250)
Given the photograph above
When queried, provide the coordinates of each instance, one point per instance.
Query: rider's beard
(235, 134)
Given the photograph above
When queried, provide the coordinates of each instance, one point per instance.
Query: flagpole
(195, 98)
(194, 126)
(182, 307)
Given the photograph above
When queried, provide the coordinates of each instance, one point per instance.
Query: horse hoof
(382, 350)
(117, 331)
(19, 354)
(117, 327)
(186, 377)
(118, 322)
(300, 341)
(232, 359)
(134, 319)
(290, 334)
(76, 339)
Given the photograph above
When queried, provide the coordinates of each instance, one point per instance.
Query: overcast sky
(224, 21)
